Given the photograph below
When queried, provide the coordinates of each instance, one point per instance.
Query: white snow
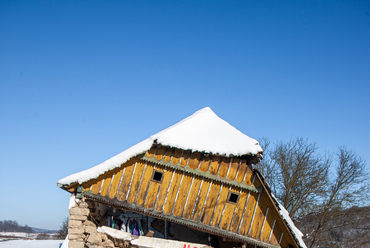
(31, 243)
(296, 232)
(203, 131)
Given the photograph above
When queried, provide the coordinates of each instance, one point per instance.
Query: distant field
(31, 243)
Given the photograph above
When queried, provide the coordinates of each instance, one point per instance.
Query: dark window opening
(233, 197)
(157, 176)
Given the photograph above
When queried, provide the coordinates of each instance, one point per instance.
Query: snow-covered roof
(203, 131)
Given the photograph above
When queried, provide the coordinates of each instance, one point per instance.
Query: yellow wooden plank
(242, 171)
(175, 184)
(135, 181)
(202, 196)
(115, 183)
(194, 160)
(246, 221)
(182, 194)
(268, 224)
(275, 237)
(167, 157)
(106, 184)
(210, 203)
(143, 188)
(249, 177)
(123, 189)
(167, 176)
(240, 206)
(204, 164)
(176, 156)
(214, 165)
(224, 167)
(96, 186)
(152, 194)
(150, 152)
(160, 152)
(259, 216)
(193, 193)
(220, 206)
(228, 213)
(184, 158)
(234, 166)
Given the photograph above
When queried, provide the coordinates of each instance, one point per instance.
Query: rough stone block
(76, 244)
(75, 230)
(108, 243)
(79, 211)
(78, 217)
(83, 205)
(89, 223)
(90, 229)
(76, 236)
(94, 238)
(75, 224)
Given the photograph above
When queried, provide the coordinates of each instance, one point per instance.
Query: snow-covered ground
(31, 243)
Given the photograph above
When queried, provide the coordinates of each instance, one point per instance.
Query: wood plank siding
(221, 195)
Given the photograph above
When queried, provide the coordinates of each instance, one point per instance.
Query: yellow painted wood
(164, 187)
(168, 156)
(276, 235)
(143, 188)
(220, 206)
(268, 223)
(249, 176)
(153, 190)
(202, 196)
(115, 183)
(244, 228)
(176, 156)
(224, 167)
(135, 181)
(234, 166)
(96, 186)
(72, 187)
(194, 160)
(106, 183)
(258, 219)
(193, 193)
(204, 164)
(242, 171)
(239, 210)
(150, 152)
(160, 152)
(123, 189)
(182, 194)
(184, 158)
(228, 213)
(210, 203)
(175, 184)
(215, 163)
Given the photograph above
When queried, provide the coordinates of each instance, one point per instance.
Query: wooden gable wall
(194, 191)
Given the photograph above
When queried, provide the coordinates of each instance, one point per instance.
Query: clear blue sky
(81, 81)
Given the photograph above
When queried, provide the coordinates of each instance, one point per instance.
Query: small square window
(157, 176)
(233, 197)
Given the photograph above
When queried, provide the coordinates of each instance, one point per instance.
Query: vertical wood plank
(242, 171)
(224, 167)
(258, 219)
(210, 203)
(239, 211)
(172, 192)
(167, 157)
(176, 156)
(194, 160)
(147, 176)
(115, 183)
(182, 195)
(246, 221)
(167, 176)
(193, 193)
(198, 206)
(123, 189)
(220, 206)
(234, 166)
(153, 190)
(160, 152)
(184, 158)
(204, 164)
(96, 186)
(215, 163)
(249, 177)
(105, 187)
(135, 181)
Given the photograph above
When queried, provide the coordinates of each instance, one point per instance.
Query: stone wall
(82, 231)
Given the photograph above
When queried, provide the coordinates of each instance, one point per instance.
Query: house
(197, 174)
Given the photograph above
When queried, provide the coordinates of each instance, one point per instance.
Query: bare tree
(347, 188)
(302, 175)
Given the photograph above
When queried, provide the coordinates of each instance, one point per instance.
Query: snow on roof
(203, 131)
(285, 215)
